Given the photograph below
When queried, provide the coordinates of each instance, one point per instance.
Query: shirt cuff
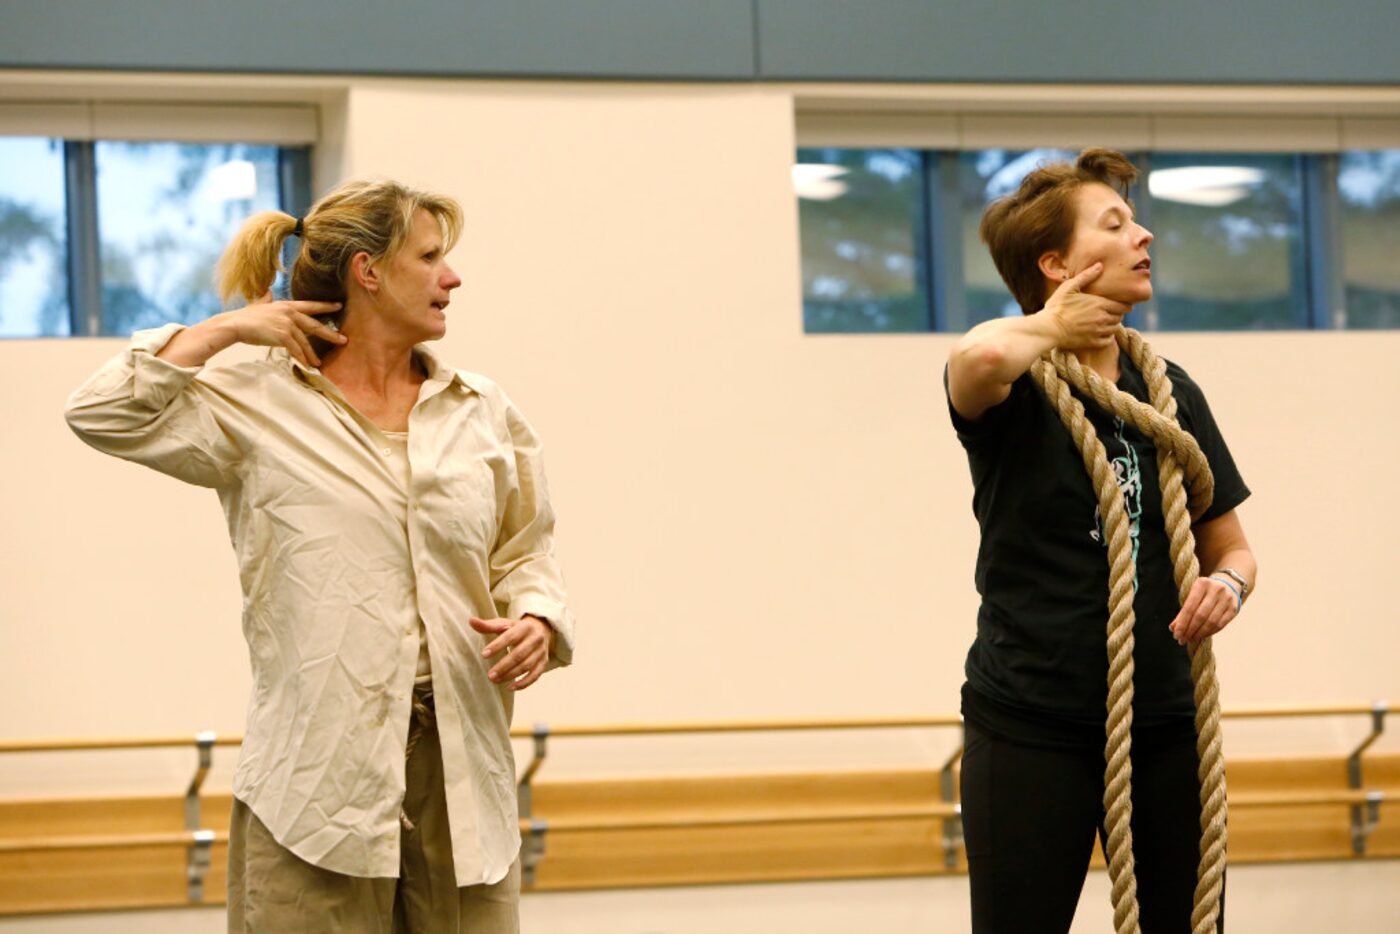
(156, 382)
(558, 617)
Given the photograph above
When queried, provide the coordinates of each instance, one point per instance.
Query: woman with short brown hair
(1070, 249)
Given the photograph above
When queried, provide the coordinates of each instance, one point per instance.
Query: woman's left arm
(1216, 597)
(526, 584)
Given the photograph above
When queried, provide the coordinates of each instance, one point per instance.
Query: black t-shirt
(1039, 663)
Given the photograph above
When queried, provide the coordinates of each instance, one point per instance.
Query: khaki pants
(270, 890)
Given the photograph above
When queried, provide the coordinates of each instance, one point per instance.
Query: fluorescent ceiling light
(235, 180)
(1207, 185)
(818, 182)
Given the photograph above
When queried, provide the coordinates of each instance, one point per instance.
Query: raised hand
(1084, 321)
(268, 323)
(264, 323)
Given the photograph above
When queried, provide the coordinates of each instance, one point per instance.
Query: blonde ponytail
(254, 256)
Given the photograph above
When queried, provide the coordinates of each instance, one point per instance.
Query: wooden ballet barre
(935, 811)
(703, 726)
(1305, 798)
(1262, 711)
(129, 742)
(195, 839)
(114, 841)
(738, 726)
(533, 831)
(1364, 805)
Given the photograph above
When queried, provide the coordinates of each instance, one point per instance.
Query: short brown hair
(1039, 217)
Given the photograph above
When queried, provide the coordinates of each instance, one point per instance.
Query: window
(104, 236)
(1244, 241)
(861, 239)
(1368, 188)
(33, 238)
(165, 213)
(1229, 248)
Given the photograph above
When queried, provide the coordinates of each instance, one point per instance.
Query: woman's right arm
(989, 358)
(265, 323)
(146, 405)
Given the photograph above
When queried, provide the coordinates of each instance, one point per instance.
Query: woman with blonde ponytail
(1111, 553)
(394, 535)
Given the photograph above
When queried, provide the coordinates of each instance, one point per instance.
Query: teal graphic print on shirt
(1127, 472)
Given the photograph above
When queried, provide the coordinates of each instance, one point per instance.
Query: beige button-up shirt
(338, 563)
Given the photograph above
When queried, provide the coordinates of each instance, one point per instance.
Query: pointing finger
(1083, 277)
(307, 352)
(311, 326)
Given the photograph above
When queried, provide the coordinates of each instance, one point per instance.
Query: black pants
(1030, 816)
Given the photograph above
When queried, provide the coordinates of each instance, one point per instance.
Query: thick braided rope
(1119, 770)
(1178, 457)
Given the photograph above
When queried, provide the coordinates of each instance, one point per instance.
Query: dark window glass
(1229, 248)
(861, 213)
(1368, 186)
(33, 239)
(165, 213)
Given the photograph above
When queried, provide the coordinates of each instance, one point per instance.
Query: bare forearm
(1000, 351)
(990, 357)
(1221, 543)
(195, 345)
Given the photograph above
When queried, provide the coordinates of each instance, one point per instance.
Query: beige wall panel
(260, 123)
(1246, 134)
(1024, 131)
(65, 120)
(1361, 133)
(923, 130)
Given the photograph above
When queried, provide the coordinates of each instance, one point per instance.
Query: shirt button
(386, 452)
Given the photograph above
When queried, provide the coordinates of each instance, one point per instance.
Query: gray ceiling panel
(1191, 41)
(576, 38)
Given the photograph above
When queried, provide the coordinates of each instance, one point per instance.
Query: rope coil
(1180, 464)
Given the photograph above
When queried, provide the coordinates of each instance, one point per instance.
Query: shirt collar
(438, 371)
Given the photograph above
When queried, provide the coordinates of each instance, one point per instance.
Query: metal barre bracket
(197, 860)
(532, 851)
(1378, 712)
(1364, 817)
(532, 845)
(197, 853)
(952, 826)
